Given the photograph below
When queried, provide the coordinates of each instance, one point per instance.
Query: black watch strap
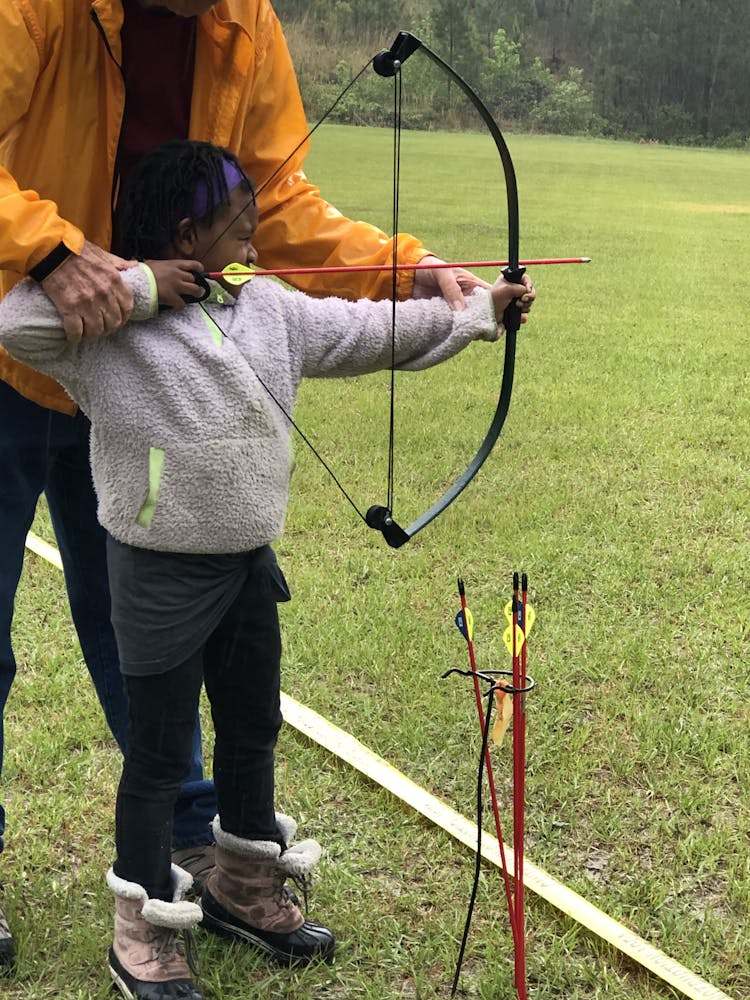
(51, 262)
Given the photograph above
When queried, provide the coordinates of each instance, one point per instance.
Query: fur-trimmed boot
(245, 895)
(147, 959)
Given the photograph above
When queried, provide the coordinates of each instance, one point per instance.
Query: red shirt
(158, 55)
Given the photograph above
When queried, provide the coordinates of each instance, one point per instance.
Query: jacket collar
(110, 14)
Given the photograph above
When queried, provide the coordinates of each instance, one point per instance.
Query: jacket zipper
(115, 178)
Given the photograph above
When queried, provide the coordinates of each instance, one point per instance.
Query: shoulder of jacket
(244, 12)
(256, 18)
(46, 19)
(262, 290)
(36, 16)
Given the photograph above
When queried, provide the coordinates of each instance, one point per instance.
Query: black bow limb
(387, 64)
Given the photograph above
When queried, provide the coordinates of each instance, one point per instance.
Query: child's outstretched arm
(331, 337)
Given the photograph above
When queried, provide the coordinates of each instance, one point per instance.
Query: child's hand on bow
(503, 294)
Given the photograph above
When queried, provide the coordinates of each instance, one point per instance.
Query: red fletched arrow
(238, 274)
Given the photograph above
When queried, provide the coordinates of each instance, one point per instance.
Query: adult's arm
(30, 227)
(82, 280)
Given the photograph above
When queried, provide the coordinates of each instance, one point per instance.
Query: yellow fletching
(237, 274)
(530, 618)
(469, 625)
(530, 615)
(508, 639)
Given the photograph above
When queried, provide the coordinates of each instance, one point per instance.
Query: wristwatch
(51, 262)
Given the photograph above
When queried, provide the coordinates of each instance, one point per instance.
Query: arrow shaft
(488, 765)
(348, 269)
(519, 780)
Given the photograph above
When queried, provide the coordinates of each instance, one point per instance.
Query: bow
(388, 63)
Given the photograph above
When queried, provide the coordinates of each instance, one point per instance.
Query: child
(190, 459)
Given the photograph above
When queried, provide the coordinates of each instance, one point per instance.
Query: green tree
(454, 37)
(674, 70)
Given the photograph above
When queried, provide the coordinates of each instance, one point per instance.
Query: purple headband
(204, 200)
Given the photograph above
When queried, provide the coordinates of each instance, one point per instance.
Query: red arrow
(281, 271)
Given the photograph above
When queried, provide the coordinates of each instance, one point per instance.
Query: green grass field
(620, 484)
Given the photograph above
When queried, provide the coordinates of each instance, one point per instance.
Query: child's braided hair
(162, 190)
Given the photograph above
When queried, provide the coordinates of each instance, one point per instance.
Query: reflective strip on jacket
(61, 104)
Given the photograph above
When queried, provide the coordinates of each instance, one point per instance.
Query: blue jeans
(45, 451)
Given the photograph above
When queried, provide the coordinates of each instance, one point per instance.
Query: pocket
(269, 575)
(155, 467)
(219, 495)
(279, 586)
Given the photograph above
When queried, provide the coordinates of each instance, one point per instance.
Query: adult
(86, 87)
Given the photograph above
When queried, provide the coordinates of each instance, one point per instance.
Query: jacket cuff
(50, 263)
(142, 283)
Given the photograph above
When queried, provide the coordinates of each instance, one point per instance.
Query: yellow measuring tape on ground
(344, 746)
(349, 749)
(43, 549)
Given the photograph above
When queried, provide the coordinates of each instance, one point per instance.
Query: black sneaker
(7, 951)
(198, 861)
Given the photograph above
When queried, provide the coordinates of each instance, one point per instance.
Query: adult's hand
(89, 293)
(450, 283)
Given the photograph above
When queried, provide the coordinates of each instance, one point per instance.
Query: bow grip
(512, 314)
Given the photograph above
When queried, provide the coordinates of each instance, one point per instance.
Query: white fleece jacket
(189, 451)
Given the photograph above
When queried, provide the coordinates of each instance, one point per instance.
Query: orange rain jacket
(61, 105)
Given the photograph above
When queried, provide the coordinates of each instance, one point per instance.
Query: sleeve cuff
(142, 283)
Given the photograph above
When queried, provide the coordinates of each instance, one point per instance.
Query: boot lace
(177, 943)
(303, 883)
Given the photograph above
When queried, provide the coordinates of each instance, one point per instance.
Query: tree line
(673, 71)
